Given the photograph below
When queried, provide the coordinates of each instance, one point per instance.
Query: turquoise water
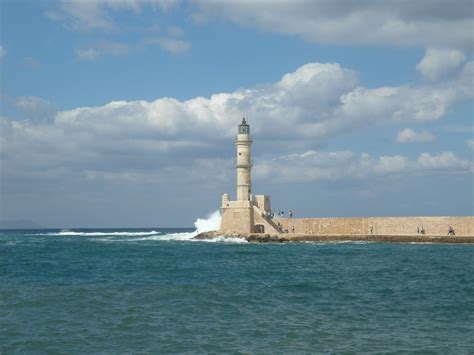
(156, 291)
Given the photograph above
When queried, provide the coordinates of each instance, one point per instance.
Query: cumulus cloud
(312, 104)
(319, 166)
(445, 160)
(35, 108)
(410, 136)
(316, 101)
(424, 23)
(438, 63)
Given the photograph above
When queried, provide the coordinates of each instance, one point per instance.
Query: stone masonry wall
(463, 226)
(237, 219)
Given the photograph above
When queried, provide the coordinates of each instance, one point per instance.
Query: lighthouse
(248, 213)
(244, 162)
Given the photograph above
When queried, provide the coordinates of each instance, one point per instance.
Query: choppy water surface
(155, 290)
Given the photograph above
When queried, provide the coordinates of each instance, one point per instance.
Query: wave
(66, 232)
(328, 242)
(222, 239)
(175, 236)
(211, 223)
(189, 237)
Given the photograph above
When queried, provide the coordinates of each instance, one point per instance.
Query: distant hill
(19, 224)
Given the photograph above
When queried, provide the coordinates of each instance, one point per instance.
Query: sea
(156, 290)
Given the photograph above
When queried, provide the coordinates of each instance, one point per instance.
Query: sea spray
(211, 223)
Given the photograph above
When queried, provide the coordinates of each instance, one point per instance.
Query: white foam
(177, 236)
(211, 223)
(328, 242)
(66, 232)
(222, 239)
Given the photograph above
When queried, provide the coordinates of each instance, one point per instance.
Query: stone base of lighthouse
(245, 217)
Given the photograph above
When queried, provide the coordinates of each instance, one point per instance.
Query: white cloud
(35, 107)
(438, 63)
(445, 160)
(312, 104)
(425, 23)
(216, 170)
(3, 52)
(95, 14)
(319, 166)
(171, 45)
(391, 164)
(410, 136)
(316, 101)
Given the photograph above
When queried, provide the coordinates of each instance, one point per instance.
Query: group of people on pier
(281, 214)
(421, 230)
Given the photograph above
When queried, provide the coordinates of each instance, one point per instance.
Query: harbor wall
(463, 226)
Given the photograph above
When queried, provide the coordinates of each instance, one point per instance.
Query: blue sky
(122, 113)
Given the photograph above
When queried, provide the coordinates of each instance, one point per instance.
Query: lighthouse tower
(244, 162)
(248, 213)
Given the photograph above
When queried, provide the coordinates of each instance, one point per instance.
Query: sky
(123, 113)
